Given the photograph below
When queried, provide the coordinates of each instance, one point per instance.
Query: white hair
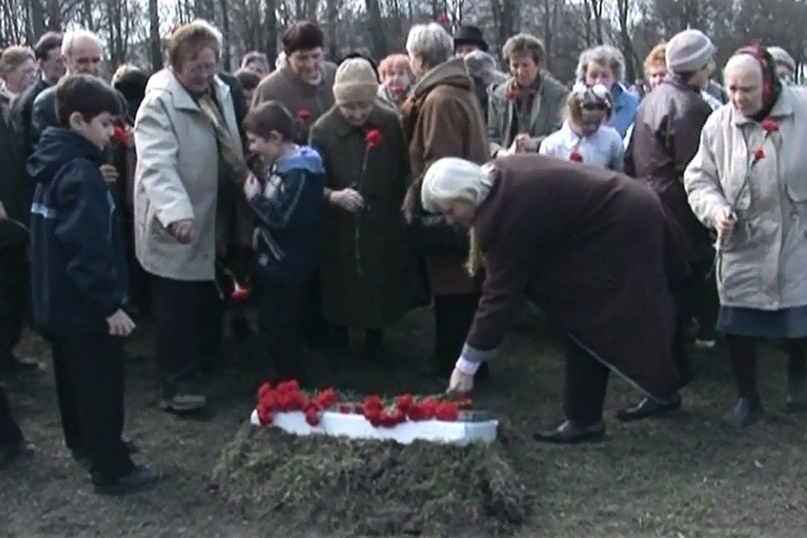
(71, 38)
(479, 63)
(607, 55)
(452, 178)
(744, 62)
(431, 43)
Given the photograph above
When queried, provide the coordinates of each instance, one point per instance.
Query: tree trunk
(226, 58)
(155, 41)
(37, 12)
(270, 23)
(378, 37)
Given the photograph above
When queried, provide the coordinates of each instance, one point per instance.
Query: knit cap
(689, 51)
(355, 82)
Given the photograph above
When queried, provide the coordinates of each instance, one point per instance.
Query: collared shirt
(602, 149)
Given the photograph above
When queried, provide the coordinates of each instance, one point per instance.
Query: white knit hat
(355, 82)
(688, 51)
(451, 178)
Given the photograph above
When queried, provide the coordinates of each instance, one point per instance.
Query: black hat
(471, 34)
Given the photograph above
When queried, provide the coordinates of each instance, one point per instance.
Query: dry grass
(687, 475)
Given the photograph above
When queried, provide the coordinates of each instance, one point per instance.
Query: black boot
(648, 407)
(796, 390)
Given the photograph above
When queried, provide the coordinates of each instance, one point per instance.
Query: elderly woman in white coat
(748, 182)
(189, 153)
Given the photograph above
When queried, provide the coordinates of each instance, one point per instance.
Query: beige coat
(763, 263)
(177, 178)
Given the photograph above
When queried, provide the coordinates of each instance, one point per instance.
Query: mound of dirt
(368, 488)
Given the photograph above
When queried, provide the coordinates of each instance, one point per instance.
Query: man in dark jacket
(15, 196)
(48, 53)
(665, 139)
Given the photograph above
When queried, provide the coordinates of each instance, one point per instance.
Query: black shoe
(141, 479)
(648, 407)
(744, 413)
(568, 433)
(9, 453)
(81, 456)
(796, 393)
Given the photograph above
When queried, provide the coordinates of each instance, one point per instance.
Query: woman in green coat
(364, 265)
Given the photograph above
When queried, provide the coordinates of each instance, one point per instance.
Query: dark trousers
(14, 298)
(453, 316)
(139, 292)
(315, 330)
(10, 433)
(279, 326)
(687, 297)
(90, 372)
(586, 381)
(188, 318)
(707, 302)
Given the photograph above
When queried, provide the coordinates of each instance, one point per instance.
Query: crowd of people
(344, 195)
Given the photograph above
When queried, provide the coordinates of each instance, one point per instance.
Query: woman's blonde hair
(656, 57)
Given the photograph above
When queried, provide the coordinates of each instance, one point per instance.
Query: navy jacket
(78, 267)
(289, 214)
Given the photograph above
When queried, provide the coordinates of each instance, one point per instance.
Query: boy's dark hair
(267, 117)
(249, 80)
(88, 95)
(46, 43)
(302, 35)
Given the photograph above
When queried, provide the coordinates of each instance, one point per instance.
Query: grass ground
(684, 476)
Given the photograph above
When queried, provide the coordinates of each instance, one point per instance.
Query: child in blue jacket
(79, 281)
(289, 208)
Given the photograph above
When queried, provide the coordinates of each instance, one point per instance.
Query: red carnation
(758, 155)
(239, 294)
(303, 115)
(404, 402)
(345, 409)
(374, 416)
(264, 415)
(464, 404)
(446, 411)
(358, 408)
(326, 398)
(119, 135)
(312, 417)
(575, 156)
(372, 138)
(769, 125)
(373, 403)
(264, 391)
(512, 93)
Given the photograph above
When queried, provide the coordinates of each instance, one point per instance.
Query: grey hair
(431, 43)
(479, 62)
(604, 55)
(70, 39)
(745, 62)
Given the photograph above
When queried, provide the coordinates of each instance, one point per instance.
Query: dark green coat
(364, 287)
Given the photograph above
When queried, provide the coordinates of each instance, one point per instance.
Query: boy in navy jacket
(79, 281)
(288, 209)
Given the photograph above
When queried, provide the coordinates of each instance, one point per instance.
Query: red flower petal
(312, 418)
(345, 409)
(759, 154)
(769, 125)
(303, 114)
(372, 138)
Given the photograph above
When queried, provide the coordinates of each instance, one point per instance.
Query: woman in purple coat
(592, 248)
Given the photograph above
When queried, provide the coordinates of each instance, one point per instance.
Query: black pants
(279, 327)
(586, 381)
(90, 374)
(188, 318)
(315, 330)
(687, 297)
(707, 302)
(139, 292)
(14, 298)
(453, 315)
(10, 433)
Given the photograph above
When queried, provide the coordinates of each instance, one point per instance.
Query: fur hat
(355, 81)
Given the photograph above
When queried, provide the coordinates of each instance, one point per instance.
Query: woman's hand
(252, 187)
(184, 230)
(460, 383)
(724, 224)
(348, 199)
